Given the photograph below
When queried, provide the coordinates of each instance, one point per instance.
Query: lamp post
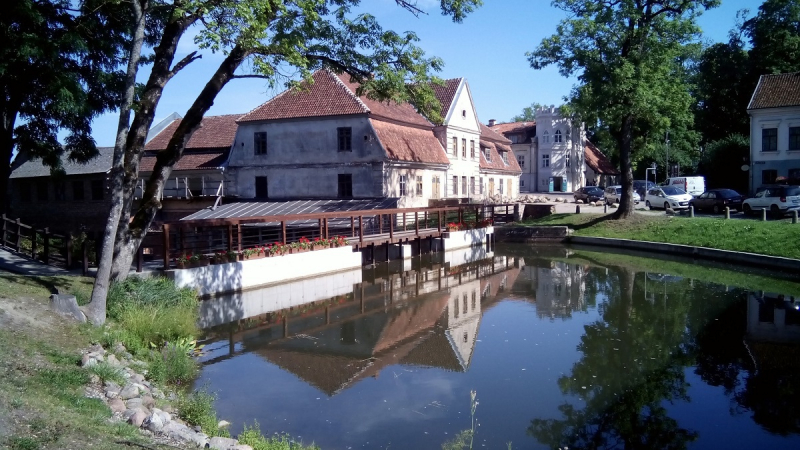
(646, 171)
(666, 141)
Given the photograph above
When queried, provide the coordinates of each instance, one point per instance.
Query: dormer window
(504, 155)
(557, 137)
(546, 137)
(487, 153)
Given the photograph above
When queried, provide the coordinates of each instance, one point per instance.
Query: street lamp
(646, 171)
(666, 141)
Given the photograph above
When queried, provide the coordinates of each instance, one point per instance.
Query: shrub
(172, 365)
(107, 372)
(198, 409)
(152, 310)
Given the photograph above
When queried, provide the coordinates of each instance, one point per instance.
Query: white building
(774, 113)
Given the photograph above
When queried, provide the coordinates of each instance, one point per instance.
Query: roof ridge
(264, 104)
(347, 89)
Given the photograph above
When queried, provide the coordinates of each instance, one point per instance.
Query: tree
(774, 35)
(630, 57)
(528, 113)
(57, 62)
(270, 37)
(723, 160)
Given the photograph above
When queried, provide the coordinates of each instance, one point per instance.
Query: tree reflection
(632, 363)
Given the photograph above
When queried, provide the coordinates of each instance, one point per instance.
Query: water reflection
(565, 348)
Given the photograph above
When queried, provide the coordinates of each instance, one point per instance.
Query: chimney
(491, 122)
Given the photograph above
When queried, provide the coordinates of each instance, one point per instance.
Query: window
(24, 191)
(472, 149)
(794, 138)
(504, 155)
(546, 137)
(545, 160)
(98, 189)
(77, 191)
(509, 187)
(419, 185)
(455, 146)
(41, 191)
(769, 140)
(464, 148)
(768, 176)
(500, 183)
(568, 161)
(464, 113)
(345, 135)
(345, 185)
(262, 188)
(466, 337)
(403, 188)
(480, 184)
(455, 307)
(464, 304)
(557, 136)
(491, 186)
(474, 300)
(464, 185)
(60, 191)
(260, 143)
(487, 153)
(455, 185)
(521, 182)
(472, 185)
(435, 188)
(521, 161)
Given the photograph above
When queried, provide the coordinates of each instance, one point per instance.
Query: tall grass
(252, 436)
(152, 311)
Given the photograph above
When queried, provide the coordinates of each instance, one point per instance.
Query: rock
(154, 423)
(128, 413)
(116, 405)
(241, 447)
(181, 432)
(223, 424)
(137, 419)
(94, 379)
(113, 360)
(670, 212)
(66, 306)
(137, 378)
(119, 348)
(156, 393)
(580, 202)
(165, 416)
(129, 391)
(222, 443)
(134, 403)
(97, 348)
(613, 206)
(87, 361)
(148, 401)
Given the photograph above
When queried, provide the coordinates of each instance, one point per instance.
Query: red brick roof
(446, 94)
(189, 161)
(330, 95)
(215, 132)
(491, 135)
(513, 127)
(776, 91)
(497, 162)
(405, 143)
(597, 160)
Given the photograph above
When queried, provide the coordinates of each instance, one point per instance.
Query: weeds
(198, 409)
(107, 372)
(465, 438)
(172, 365)
(252, 436)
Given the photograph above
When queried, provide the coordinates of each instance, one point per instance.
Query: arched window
(557, 136)
(546, 137)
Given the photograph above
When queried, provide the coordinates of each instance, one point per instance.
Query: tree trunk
(131, 233)
(626, 204)
(8, 118)
(96, 309)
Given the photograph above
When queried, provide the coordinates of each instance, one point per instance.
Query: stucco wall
(548, 121)
(782, 160)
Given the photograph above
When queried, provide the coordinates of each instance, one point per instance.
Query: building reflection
(423, 312)
(773, 317)
(558, 289)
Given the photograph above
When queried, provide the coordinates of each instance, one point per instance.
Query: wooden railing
(39, 244)
(360, 228)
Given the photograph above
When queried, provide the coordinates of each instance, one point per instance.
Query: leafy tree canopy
(528, 113)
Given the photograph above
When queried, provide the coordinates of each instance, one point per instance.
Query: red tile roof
(446, 94)
(330, 95)
(491, 135)
(497, 162)
(776, 91)
(189, 161)
(514, 127)
(405, 143)
(215, 132)
(597, 160)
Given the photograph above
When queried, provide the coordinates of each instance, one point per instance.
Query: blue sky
(488, 49)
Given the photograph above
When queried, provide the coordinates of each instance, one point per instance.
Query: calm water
(564, 347)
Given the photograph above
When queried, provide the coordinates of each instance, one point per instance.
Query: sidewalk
(10, 262)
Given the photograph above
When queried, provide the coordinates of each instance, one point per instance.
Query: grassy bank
(776, 238)
(42, 399)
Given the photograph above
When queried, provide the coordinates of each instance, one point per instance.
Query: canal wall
(466, 238)
(242, 275)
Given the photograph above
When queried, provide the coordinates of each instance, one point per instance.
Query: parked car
(642, 186)
(588, 194)
(613, 194)
(717, 199)
(667, 197)
(778, 200)
(692, 185)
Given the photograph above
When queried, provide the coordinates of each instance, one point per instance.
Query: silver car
(667, 197)
(613, 194)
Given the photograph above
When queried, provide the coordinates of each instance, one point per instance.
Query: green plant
(171, 365)
(23, 443)
(253, 437)
(465, 438)
(197, 408)
(107, 372)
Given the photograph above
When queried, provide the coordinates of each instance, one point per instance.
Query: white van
(692, 185)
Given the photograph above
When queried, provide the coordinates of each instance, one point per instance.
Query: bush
(172, 365)
(198, 409)
(152, 311)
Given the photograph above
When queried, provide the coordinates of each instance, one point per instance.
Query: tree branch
(338, 65)
(190, 58)
(413, 8)
(263, 77)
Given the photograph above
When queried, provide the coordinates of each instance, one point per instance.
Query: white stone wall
(782, 160)
(466, 238)
(412, 199)
(462, 124)
(548, 121)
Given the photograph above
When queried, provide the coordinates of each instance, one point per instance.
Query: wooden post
(283, 232)
(325, 227)
(19, 235)
(352, 226)
(85, 257)
(380, 224)
(68, 250)
(239, 235)
(404, 221)
(230, 238)
(33, 242)
(166, 246)
(416, 222)
(321, 231)
(285, 326)
(426, 218)
(439, 220)
(391, 227)
(47, 245)
(5, 229)
(460, 215)
(361, 230)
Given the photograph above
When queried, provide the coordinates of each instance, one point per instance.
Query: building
(482, 162)
(774, 113)
(554, 155)
(323, 141)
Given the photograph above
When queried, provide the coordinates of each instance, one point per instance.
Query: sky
(488, 49)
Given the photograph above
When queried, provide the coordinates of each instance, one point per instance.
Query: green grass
(107, 372)
(253, 437)
(13, 286)
(197, 408)
(775, 238)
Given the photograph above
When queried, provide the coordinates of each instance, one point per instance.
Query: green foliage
(152, 310)
(722, 163)
(198, 409)
(107, 372)
(172, 365)
(528, 113)
(774, 35)
(252, 436)
(465, 438)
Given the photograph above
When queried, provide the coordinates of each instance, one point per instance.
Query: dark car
(717, 199)
(588, 194)
(642, 186)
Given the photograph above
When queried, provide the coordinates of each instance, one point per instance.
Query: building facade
(774, 113)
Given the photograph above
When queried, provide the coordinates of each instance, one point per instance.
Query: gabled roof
(497, 143)
(403, 143)
(446, 94)
(25, 167)
(189, 161)
(215, 132)
(491, 135)
(776, 91)
(514, 127)
(331, 95)
(597, 160)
